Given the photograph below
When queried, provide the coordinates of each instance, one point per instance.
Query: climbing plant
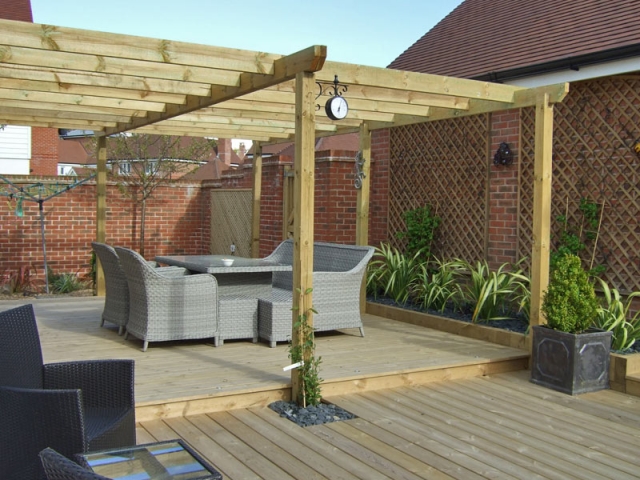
(304, 353)
(421, 225)
(574, 236)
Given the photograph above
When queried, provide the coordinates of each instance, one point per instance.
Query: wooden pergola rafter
(80, 79)
(109, 83)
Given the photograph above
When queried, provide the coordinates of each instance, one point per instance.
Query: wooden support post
(257, 191)
(541, 207)
(101, 207)
(304, 165)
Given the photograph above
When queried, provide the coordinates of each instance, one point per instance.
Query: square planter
(570, 363)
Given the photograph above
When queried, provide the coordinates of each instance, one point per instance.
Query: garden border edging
(450, 325)
(624, 370)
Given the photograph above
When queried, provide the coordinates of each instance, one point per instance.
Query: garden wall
(177, 222)
(178, 216)
(487, 210)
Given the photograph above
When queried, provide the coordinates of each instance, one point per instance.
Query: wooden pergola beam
(418, 82)
(310, 59)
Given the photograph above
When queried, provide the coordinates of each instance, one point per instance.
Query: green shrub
(569, 303)
(65, 282)
(392, 273)
(436, 288)
(613, 315)
(491, 293)
(421, 227)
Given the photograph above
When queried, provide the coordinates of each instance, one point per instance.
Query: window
(125, 168)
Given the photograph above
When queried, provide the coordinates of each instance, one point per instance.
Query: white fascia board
(608, 69)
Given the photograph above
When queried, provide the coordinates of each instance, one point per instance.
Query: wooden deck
(441, 418)
(498, 427)
(193, 377)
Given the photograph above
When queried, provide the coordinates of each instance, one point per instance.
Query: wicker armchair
(59, 467)
(116, 303)
(164, 308)
(72, 407)
(338, 271)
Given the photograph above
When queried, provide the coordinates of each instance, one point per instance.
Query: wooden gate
(231, 222)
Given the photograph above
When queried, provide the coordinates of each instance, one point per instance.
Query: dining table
(245, 276)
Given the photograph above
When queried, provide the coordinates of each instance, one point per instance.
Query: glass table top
(171, 460)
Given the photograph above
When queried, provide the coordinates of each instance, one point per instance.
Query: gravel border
(306, 417)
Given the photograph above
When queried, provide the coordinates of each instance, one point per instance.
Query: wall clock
(336, 108)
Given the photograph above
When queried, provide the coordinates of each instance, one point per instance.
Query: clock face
(336, 108)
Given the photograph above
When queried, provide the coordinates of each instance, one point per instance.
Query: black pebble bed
(305, 417)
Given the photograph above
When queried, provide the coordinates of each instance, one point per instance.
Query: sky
(365, 32)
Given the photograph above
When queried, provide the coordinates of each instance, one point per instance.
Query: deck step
(182, 407)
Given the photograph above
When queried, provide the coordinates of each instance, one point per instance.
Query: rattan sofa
(338, 271)
(73, 407)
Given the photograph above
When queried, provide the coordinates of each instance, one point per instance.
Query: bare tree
(145, 162)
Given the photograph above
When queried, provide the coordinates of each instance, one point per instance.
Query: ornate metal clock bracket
(326, 89)
(360, 160)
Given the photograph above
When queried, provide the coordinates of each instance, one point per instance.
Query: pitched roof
(347, 141)
(482, 37)
(74, 151)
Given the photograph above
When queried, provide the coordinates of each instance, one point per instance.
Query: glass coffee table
(170, 460)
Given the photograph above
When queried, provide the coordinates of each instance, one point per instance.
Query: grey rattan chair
(338, 271)
(73, 406)
(59, 467)
(116, 302)
(164, 308)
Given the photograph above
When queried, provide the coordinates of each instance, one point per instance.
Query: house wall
(44, 151)
(15, 150)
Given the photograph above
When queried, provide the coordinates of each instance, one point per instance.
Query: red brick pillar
(379, 193)
(503, 191)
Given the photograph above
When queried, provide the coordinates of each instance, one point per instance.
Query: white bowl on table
(227, 262)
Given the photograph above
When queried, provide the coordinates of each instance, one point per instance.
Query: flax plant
(613, 315)
(435, 289)
(490, 293)
(392, 273)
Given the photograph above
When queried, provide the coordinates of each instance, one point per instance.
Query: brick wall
(379, 194)
(177, 223)
(335, 197)
(16, 10)
(271, 207)
(503, 191)
(44, 151)
(178, 216)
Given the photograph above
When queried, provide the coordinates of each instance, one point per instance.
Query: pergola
(80, 79)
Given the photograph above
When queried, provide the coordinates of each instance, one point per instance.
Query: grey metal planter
(570, 363)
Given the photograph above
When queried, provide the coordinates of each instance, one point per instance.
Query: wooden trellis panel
(594, 132)
(443, 164)
(231, 222)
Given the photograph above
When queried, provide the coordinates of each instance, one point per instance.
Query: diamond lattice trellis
(594, 132)
(443, 164)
